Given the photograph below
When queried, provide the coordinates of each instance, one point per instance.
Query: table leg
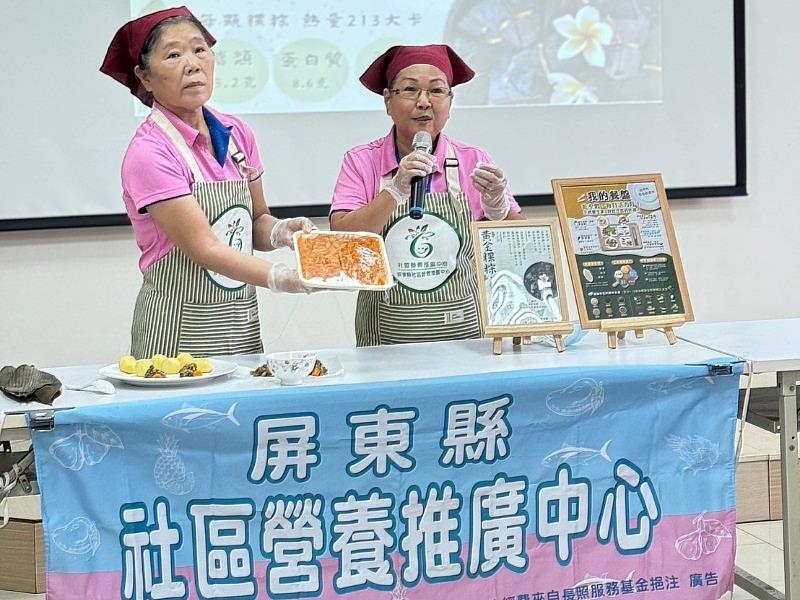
(787, 405)
(755, 587)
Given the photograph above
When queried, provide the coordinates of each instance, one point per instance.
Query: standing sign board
(520, 280)
(622, 254)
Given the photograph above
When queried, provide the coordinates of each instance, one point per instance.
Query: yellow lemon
(127, 364)
(158, 361)
(185, 358)
(142, 365)
(204, 364)
(171, 366)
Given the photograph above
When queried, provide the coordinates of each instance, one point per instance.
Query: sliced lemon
(204, 364)
(171, 366)
(127, 364)
(158, 361)
(184, 358)
(142, 365)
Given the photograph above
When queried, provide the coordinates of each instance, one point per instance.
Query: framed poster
(520, 279)
(622, 253)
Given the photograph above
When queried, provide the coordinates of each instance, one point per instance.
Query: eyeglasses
(410, 92)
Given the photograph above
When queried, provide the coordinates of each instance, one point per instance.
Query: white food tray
(343, 282)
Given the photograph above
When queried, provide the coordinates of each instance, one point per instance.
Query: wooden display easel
(590, 216)
(524, 340)
(557, 330)
(522, 334)
(618, 328)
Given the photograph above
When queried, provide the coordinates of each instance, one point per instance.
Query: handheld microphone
(419, 185)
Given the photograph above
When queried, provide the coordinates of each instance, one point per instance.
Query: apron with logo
(182, 307)
(433, 260)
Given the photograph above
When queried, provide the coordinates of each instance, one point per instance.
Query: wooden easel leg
(612, 340)
(527, 340)
(639, 334)
(559, 340)
(498, 345)
(670, 336)
(621, 335)
(516, 341)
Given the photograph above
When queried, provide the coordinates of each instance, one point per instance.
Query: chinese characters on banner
(535, 484)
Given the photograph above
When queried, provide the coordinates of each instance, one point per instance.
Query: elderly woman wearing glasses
(432, 258)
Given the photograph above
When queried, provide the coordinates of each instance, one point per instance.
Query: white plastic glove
(283, 231)
(283, 279)
(490, 181)
(416, 164)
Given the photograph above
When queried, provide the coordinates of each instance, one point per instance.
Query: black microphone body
(419, 185)
(416, 205)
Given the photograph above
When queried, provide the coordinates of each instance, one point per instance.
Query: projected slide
(293, 57)
(564, 88)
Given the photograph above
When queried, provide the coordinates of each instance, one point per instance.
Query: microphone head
(422, 141)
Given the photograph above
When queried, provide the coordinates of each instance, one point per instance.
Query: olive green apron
(433, 260)
(182, 307)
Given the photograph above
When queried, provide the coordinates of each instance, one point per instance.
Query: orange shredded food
(331, 257)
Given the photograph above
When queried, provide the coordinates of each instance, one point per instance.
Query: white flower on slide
(568, 90)
(585, 34)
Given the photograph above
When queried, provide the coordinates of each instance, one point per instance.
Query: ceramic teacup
(291, 367)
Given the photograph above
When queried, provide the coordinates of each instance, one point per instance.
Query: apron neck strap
(451, 171)
(173, 134)
(238, 158)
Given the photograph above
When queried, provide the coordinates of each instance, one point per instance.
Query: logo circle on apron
(234, 228)
(423, 253)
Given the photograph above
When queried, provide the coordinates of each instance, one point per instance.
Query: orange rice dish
(348, 258)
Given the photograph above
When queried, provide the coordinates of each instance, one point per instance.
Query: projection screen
(652, 86)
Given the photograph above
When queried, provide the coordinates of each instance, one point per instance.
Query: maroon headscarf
(380, 74)
(125, 49)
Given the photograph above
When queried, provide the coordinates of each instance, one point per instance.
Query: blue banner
(541, 485)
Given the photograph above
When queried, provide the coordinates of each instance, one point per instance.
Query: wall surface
(66, 296)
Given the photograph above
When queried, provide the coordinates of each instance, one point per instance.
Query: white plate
(221, 368)
(247, 376)
(248, 364)
(329, 359)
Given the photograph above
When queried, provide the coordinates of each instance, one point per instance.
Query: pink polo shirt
(364, 166)
(153, 170)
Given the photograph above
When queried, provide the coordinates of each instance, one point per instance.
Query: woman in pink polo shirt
(432, 257)
(191, 181)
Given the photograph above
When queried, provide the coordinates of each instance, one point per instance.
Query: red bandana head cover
(380, 74)
(125, 49)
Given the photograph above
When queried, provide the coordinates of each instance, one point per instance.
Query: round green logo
(421, 241)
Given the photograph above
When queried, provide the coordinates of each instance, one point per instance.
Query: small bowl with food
(291, 367)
